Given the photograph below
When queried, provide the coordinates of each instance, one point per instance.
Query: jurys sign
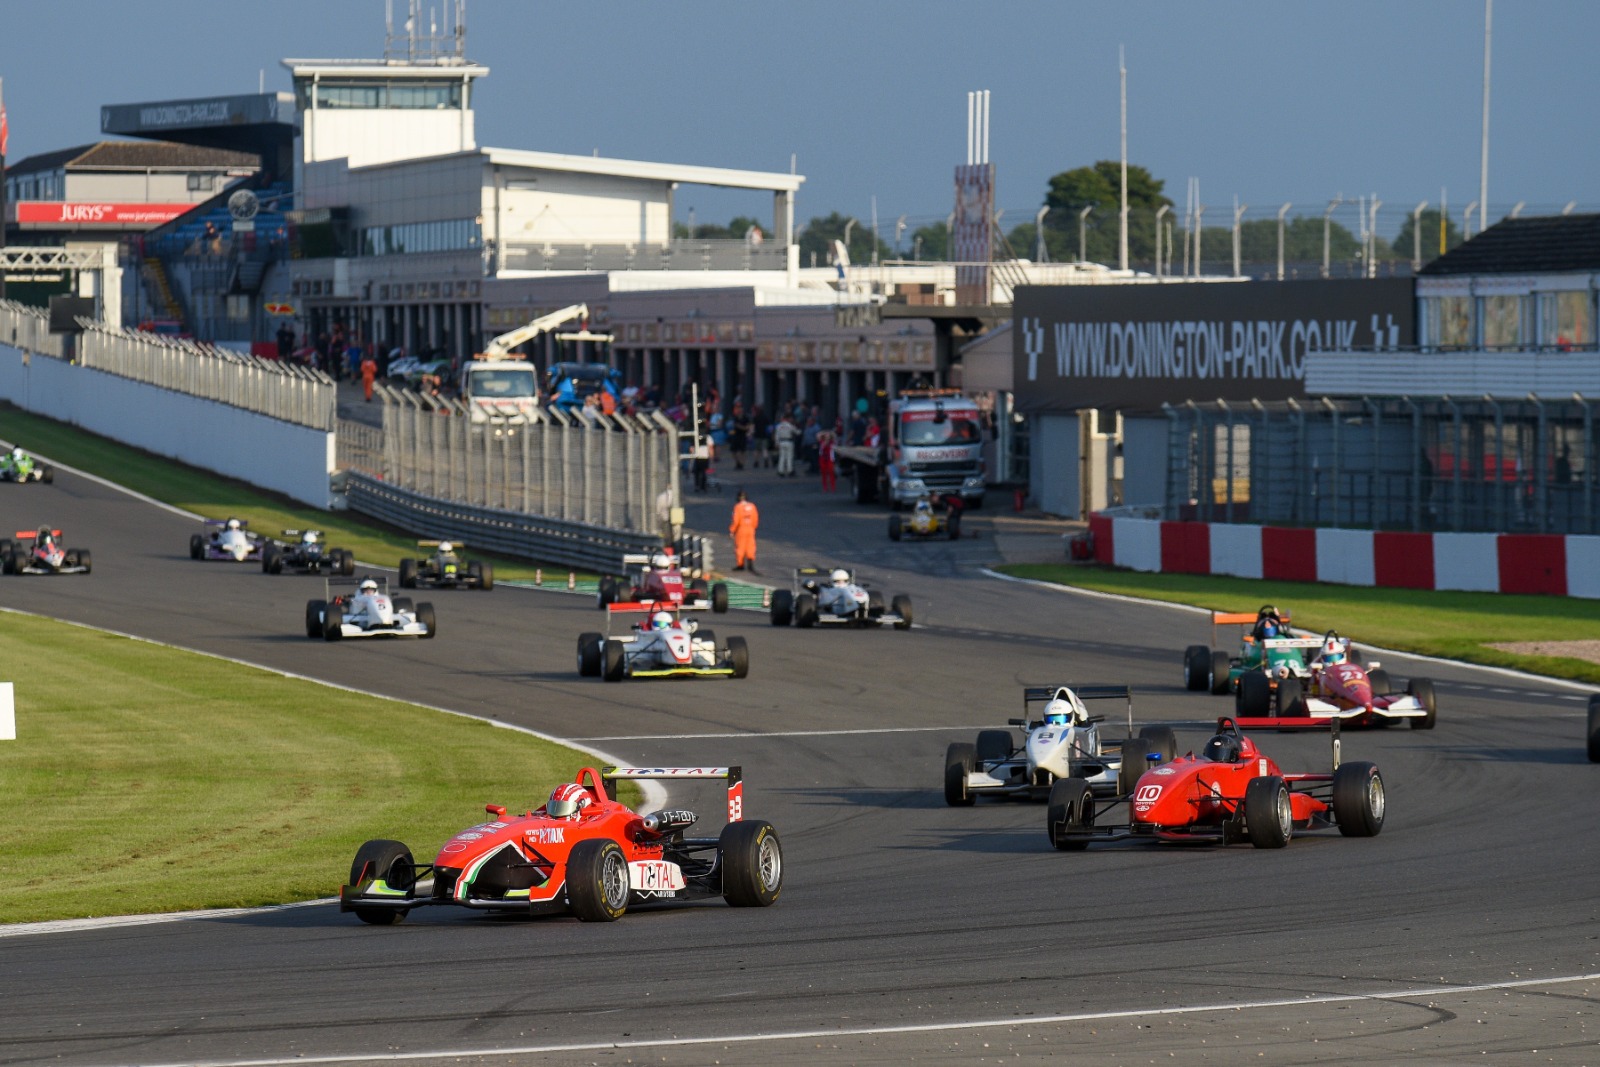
(1137, 346)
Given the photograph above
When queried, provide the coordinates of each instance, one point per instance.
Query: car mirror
(1017, 722)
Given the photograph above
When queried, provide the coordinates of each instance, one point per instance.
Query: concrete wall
(1144, 461)
(1053, 465)
(293, 460)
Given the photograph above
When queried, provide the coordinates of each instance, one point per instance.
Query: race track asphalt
(907, 930)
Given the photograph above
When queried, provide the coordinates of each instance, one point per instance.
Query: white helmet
(233, 524)
(661, 620)
(309, 537)
(841, 578)
(445, 548)
(1058, 712)
(16, 453)
(1333, 650)
(661, 561)
(369, 585)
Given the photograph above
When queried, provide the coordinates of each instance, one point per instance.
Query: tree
(935, 242)
(819, 234)
(710, 231)
(1404, 242)
(1258, 243)
(1098, 188)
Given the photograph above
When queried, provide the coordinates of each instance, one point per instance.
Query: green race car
(1268, 653)
(17, 466)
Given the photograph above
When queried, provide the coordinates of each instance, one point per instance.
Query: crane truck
(499, 386)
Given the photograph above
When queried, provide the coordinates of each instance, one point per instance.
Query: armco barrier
(572, 544)
(1552, 564)
(267, 452)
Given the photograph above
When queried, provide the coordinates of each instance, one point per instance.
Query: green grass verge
(148, 779)
(215, 496)
(1450, 625)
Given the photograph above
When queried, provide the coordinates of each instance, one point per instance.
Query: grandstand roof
(1537, 245)
(132, 155)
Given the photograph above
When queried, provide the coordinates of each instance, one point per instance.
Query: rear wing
(1239, 618)
(1292, 642)
(29, 535)
(350, 586)
(301, 533)
(436, 544)
(1033, 694)
(224, 522)
(734, 776)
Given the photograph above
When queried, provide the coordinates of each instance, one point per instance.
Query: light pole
(1083, 233)
(1282, 211)
(1041, 254)
(1466, 221)
(916, 249)
(1372, 237)
(1160, 211)
(899, 228)
(1327, 230)
(849, 225)
(1238, 213)
(1416, 236)
(1199, 232)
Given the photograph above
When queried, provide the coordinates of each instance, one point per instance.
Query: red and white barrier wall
(1553, 564)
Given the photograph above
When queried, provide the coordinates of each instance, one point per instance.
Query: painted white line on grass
(792, 733)
(110, 484)
(1504, 672)
(1380, 996)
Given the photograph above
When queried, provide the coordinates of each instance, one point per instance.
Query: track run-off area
(907, 930)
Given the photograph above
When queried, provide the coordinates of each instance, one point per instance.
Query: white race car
(1065, 742)
(226, 539)
(368, 611)
(663, 645)
(824, 595)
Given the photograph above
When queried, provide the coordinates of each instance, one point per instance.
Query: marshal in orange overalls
(743, 529)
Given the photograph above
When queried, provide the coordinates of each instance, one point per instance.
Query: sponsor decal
(1147, 794)
(468, 836)
(1261, 767)
(736, 802)
(1046, 735)
(1165, 770)
(676, 772)
(547, 835)
(203, 111)
(96, 213)
(654, 876)
(454, 846)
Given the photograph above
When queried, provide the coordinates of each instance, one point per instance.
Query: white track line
(1380, 996)
(110, 484)
(795, 733)
(1505, 672)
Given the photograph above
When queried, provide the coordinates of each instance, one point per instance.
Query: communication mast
(436, 43)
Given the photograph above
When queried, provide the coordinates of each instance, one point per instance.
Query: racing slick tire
(277, 561)
(1594, 729)
(607, 593)
(1162, 740)
(1292, 699)
(84, 559)
(958, 762)
(993, 745)
(403, 603)
(475, 575)
(875, 604)
(16, 561)
(197, 546)
(314, 610)
(1254, 698)
(739, 657)
(426, 618)
(1358, 802)
(6, 545)
(597, 881)
(335, 558)
(805, 610)
(613, 661)
(391, 863)
(1134, 764)
(486, 576)
(347, 562)
(752, 864)
(901, 606)
(1356, 657)
(1071, 807)
(894, 527)
(269, 552)
(1197, 668)
(1422, 689)
(408, 574)
(332, 622)
(1220, 665)
(719, 598)
(589, 646)
(782, 607)
(47, 475)
(1268, 815)
(953, 528)
(1379, 680)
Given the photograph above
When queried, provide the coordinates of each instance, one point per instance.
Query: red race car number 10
(1147, 794)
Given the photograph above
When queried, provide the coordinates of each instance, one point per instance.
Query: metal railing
(1441, 464)
(679, 255)
(604, 471)
(28, 328)
(284, 391)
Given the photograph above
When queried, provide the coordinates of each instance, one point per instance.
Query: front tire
(1255, 694)
(782, 607)
(1422, 689)
(805, 610)
(752, 864)
(589, 646)
(739, 657)
(314, 610)
(613, 661)
(1220, 666)
(954, 530)
(719, 598)
(1071, 808)
(1594, 728)
(1292, 699)
(197, 546)
(901, 606)
(85, 560)
(486, 577)
(408, 574)
(332, 622)
(1134, 751)
(1268, 815)
(425, 617)
(597, 881)
(958, 763)
(1358, 799)
(894, 527)
(388, 862)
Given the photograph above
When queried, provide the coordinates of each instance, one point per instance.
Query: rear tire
(1292, 699)
(48, 475)
(894, 527)
(719, 598)
(992, 746)
(389, 862)
(959, 759)
(408, 574)
(1255, 694)
(1358, 799)
(1379, 680)
(1594, 728)
(1197, 668)
(613, 661)
(1071, 807)
(85, 560)
(1220, 666)
(1134, 764)
(739, 657)
(486, 577)
(954, 530)
(752, 864)
(332, 622)
(1162, 740)
(875, 604)
(403, 603)
(805, 610)
(782, 607)
(597, 881)
(1422, 689)
(425, 617)
(197, 546)
(589, 646)
(269, 552)
(901, 606)
(1268, 815)
(314, 610)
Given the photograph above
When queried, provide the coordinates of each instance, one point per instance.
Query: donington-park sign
(1137, 346)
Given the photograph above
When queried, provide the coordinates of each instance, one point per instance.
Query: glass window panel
(1502, 321)
(1567, 320)
(1450, 322)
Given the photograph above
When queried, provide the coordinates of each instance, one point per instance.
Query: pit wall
(293, 460)
(1551, 564)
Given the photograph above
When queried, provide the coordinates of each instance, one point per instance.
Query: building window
(1449, 321)
(1567, 320)
(202, 183)
(1503, 321)
(403, 95)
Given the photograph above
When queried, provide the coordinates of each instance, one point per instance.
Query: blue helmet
(1269, 628)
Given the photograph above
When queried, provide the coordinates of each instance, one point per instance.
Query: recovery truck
(500, 386)
(931, 444)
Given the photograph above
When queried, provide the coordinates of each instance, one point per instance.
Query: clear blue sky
(1268, 100)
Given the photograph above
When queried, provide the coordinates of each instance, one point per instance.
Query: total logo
(547, 835)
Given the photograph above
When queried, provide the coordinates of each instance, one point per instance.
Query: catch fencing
(1440, 464)
(28, 329)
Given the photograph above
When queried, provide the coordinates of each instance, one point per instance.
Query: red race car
(657, 577)
(582, 852)
(1228, 793)
(40, 552)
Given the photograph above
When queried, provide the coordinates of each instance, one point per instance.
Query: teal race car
(1268, 653)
